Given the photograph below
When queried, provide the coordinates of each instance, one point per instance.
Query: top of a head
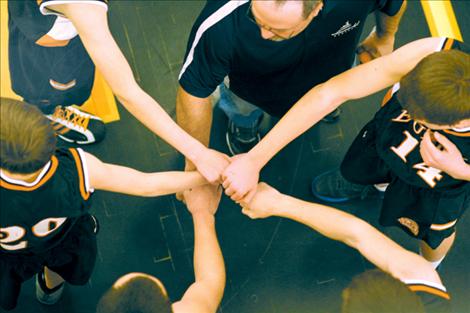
(138, 294)
(27, 140)
(437, 90)
(307, 6)
(375, 291)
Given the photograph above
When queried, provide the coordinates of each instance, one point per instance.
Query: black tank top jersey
(399, 136)
(434, 296)
(35, 217)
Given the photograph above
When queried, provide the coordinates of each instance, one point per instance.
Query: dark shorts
(50, 76)
(424, 213)
(73, 259)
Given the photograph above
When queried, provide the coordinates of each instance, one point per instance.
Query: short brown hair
(139, 295)
(437, 90)
(27, 140)
(308, 6)
(375, 291)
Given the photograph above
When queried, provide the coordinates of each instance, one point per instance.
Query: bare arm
(92, 25)
(341, 226)
(205, 294)
(126, 180)
(355, 83)
(241, 176)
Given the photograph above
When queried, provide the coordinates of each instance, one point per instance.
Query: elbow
(356, 232)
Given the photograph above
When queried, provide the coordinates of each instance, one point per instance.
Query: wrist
(385, 34)
(258, 158)
(463, 172)
(280, 205)
(203, 216)
(195, 152)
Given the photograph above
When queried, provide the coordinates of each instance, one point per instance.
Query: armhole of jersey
(446, 44)
(43, 7)
(46, 174)
(80, 162)
(390, 94)
(417, 285)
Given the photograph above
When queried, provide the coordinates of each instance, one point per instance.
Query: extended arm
(126, 180)
(205, 294)
(341, 226)
(92, 26)
(355, 83)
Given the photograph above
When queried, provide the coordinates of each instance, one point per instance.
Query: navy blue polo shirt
(272, 74)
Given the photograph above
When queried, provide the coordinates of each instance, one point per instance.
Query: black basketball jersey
(434, 296)
(36, 216)
(399, 136)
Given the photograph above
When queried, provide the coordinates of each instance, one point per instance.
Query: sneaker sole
(227, 141)
(325, 198)
(41, 294)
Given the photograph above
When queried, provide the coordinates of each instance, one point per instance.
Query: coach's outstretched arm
(92, 26)
(356, 233)
(241, 176)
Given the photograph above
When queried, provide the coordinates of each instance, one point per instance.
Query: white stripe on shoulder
(23, 183)
(46, 11)
(213, 19)
(424, 282)
(86, 175)
(441, 44)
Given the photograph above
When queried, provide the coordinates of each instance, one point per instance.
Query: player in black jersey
(405, 282)
(426, 202)
(53, 48)
(45, 227)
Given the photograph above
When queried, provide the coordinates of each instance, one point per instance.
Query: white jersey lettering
(429, 174)
(406, 146)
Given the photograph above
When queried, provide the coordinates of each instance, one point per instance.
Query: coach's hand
(448, 159)
(374, 46)
(264, 202)
(241, 177)
(211, 164)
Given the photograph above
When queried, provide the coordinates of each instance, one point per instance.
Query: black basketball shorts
(73, 259)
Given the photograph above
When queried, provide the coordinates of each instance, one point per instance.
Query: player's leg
(51, 278)
(360, 170)
(244, 120)
(437, 255)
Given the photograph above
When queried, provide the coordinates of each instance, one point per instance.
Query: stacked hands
(239, 175)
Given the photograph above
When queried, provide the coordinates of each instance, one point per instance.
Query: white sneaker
(44, 297)
(77, 126)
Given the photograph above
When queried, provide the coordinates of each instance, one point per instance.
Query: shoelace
(72, 117)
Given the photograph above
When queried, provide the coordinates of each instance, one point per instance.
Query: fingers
(365, 54)
(446, 143)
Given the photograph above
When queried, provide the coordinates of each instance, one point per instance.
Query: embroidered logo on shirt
(345, 28)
